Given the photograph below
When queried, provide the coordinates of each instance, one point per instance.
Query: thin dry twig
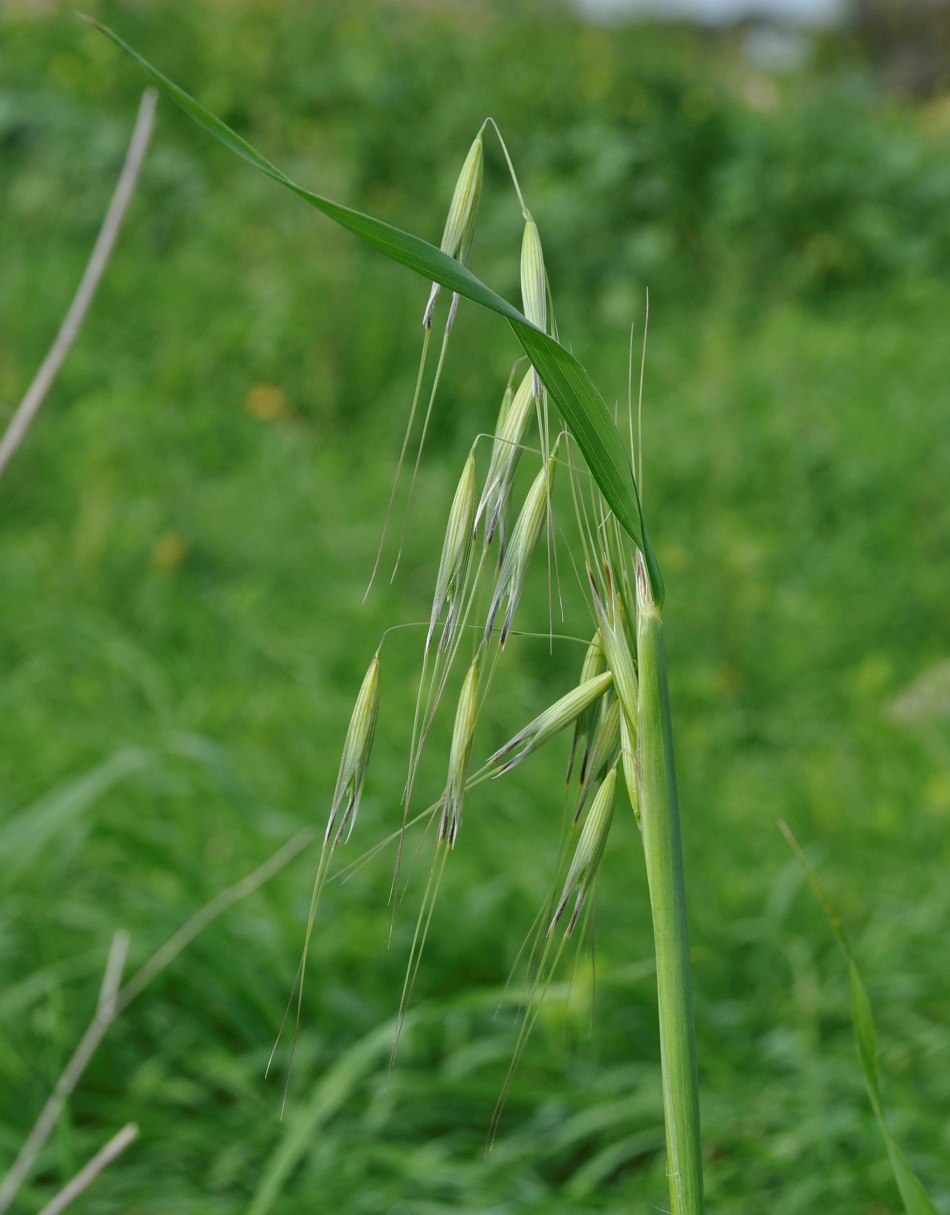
(91, 1170)
(201, 919)
(112, 978)
(113, 1000)
(105, 242)
(49, 1115)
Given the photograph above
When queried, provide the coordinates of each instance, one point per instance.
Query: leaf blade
(567, 381)
(915, 1198)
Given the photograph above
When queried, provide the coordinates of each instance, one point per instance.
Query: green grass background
(186, 535)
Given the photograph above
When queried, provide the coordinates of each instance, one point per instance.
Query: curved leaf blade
(567, 381)
(915, 1198)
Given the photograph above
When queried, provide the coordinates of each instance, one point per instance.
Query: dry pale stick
(49, 1115)
(29, 407)
(91, 1170)
(113, 1000)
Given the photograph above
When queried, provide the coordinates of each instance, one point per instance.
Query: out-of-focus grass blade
(569, 385)
(25, 836)
(329, 1095)
(915, 1198)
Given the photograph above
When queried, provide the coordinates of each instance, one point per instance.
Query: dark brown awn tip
(598, 602)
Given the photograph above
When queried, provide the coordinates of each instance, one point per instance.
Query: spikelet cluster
(489, 550)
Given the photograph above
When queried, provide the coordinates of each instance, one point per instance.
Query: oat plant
(550, 413)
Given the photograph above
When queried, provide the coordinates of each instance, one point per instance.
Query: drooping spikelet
(534, 283)
(631, 773)
(619, 649)
(466, 717)
(590, 849)
(506, 452)
(456, 552)
(594, 664)
(355, 759)
(460, 221)
(554, 719)
(520, 551)
(602, 752)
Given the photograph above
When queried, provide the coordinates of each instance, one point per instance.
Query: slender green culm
(659, 818)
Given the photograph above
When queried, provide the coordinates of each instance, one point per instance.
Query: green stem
(659, 815)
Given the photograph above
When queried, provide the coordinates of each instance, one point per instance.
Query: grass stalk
(91, 1169)
(659, 817)
(102, 251)
(113, 1000)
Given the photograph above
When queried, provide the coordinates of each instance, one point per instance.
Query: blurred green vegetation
(188, 531)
